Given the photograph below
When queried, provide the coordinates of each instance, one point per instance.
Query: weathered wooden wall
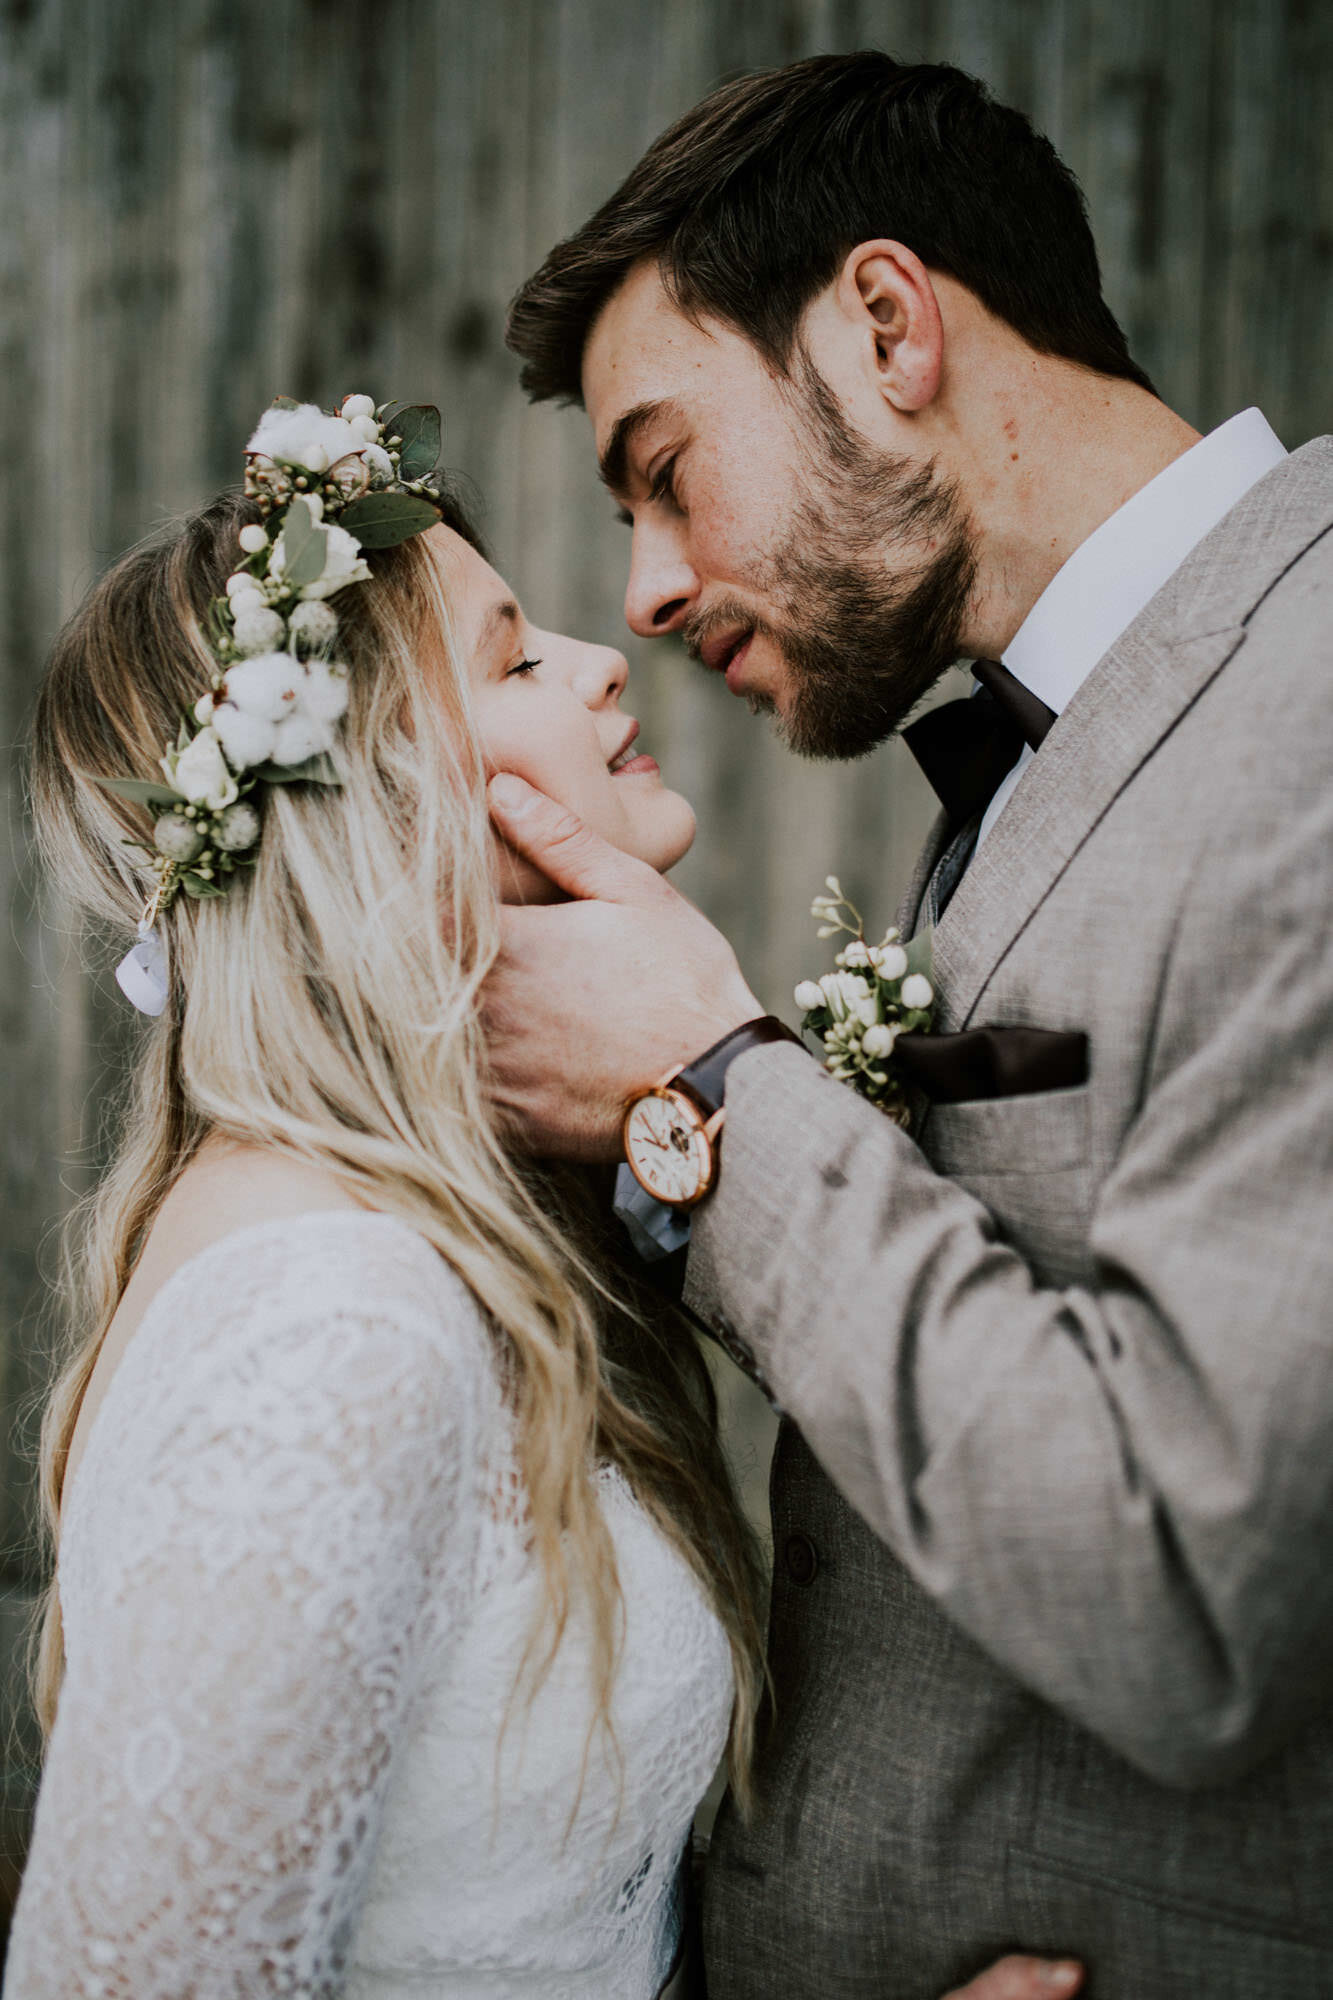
(204, 204)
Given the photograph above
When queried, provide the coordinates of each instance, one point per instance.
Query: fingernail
(508, 792)
(1062, 1978)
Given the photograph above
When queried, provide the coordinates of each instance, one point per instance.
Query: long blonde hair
(328, 1008)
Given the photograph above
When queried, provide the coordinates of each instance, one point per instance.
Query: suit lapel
(1132, 699)
(908, 919)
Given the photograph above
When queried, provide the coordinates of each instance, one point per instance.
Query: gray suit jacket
(1052, 1626)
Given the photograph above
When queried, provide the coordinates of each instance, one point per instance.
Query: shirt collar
(1111, 576)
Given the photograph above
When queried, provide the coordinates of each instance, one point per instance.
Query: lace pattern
(295, 1595)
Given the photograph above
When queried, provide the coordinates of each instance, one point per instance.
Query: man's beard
(861, 646)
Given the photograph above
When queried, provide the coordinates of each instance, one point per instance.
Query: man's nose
(662, 585)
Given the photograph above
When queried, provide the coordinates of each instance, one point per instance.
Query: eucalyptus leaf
(196, 886)
(921, 954)
(317, 770)
(304, 548)
(141, 791)
(419, 428)
(382, 520)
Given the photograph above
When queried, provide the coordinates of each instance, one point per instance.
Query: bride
(402, 1611)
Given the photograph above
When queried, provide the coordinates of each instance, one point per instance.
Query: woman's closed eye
(522, 669)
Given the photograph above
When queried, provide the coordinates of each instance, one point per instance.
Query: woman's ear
(887, 293)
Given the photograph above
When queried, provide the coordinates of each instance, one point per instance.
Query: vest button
(802, 1559)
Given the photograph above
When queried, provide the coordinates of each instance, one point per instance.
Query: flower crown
(328, 486)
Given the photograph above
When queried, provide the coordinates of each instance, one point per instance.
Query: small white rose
(358, 406)
(253, 538)
(258, 630)
(808, 995)
(879, 1040)
(917, 991)
(247, 739)
(313, 625)
(890, 961)
(201, 772)
(300, 736)
(324, 691)
(267, 686)
(343, 564)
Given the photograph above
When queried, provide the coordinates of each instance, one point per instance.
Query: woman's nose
(662, 586)
(602, 674)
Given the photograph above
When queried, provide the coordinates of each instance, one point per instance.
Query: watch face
(667, 1147)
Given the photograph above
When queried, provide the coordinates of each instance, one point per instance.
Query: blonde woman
(402, 1609)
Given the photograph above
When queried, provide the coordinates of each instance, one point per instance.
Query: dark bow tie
(966, 747)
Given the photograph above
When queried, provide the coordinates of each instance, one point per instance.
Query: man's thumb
(573, 857)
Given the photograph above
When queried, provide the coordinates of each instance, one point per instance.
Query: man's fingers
(577, 860)
(1018, 1978)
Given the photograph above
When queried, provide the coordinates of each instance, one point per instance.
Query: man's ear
(886, 291)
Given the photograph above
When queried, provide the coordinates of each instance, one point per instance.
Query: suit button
(802, 1559)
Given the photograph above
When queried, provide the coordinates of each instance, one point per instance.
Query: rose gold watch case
(707, 1128)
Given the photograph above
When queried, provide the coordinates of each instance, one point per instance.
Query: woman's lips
(642, 766)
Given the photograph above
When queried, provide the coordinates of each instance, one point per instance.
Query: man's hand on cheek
(594, 999)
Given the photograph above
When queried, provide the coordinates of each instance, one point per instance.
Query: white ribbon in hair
(142, 973)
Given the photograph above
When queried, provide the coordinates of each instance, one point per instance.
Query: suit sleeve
(1122, 1492)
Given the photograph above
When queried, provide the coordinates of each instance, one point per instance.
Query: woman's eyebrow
(504, 613)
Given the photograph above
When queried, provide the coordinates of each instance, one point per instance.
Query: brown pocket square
(992, 1062)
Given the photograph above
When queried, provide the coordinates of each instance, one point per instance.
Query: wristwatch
(671, 1132)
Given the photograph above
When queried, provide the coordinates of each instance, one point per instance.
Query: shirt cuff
(655, 1230)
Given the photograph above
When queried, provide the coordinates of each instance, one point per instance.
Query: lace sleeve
(272, 1529)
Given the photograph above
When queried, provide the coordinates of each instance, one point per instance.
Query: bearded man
(1052, 1621)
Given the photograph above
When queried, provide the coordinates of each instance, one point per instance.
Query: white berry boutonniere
(877, 992)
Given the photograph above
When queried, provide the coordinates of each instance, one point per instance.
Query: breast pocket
(1029, 1161)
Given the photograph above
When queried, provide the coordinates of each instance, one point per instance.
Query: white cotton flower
(357, 406)
(367, 430)
(378, 463)
(301, 736)
(917, 991)
(808, 995)
(247, 739)
(304, 436)
(313, 625)
(878, 1041)
(889, 960)
(203, 708)
(201, 773)
(258, 630)
(267, 686)
(253, 538)
(324, 691)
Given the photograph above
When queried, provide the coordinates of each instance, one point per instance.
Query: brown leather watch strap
(706, 1077)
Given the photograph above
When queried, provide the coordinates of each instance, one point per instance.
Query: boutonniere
(877, 992)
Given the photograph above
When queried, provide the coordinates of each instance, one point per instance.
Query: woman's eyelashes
(522, 669)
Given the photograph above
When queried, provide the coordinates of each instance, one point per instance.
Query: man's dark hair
(752, 200)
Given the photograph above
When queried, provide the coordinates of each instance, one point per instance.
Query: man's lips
(725, 651)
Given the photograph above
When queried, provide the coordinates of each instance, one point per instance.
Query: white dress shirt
(1110, 577)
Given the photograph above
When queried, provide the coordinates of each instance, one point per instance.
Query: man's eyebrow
(613, 465)
(503, 612)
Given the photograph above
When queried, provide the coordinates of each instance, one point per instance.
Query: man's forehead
(641, 350)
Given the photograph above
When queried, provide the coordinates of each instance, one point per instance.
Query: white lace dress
(296, 1590)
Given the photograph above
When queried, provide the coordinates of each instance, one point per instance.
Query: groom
(1052, 1624)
